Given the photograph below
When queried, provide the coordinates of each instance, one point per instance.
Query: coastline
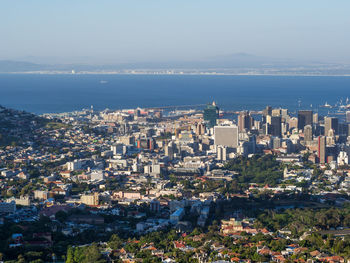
(170, 74)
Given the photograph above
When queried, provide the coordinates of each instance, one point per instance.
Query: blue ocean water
(41, 93)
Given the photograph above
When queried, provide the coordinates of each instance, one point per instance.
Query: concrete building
(222, 153)
(41, 195)
(118, 149)
(343, 158)
(331, 123)
(245, 121)
(275, 128)
(348, 116)
(90, 199)
(155, 205)
(22, 200)
(75, 165)
(321, 152)
(226, 136)
(305, 117)
(177, 215)
(308, 133)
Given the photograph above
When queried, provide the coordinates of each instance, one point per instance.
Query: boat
(326, 105)
(103, 81)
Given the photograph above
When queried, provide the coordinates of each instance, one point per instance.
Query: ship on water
(326, 105)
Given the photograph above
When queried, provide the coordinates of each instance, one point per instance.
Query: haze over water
(62, 93)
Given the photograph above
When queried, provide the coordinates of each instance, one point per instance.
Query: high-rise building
(276, 112)
(284, 113)
(222, 153)
(348, 116)
(331, 123)
(266, 112)
(211, 114)
(343, 129)
(226, 136)
(315, 118)
(275, 143)
(275, 127)
(169, 151)
(321, 152)
(245, 121)
(308, 133)
(293, 123)
(305, 117)
(200, 129)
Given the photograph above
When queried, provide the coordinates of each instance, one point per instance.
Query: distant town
(174, 185)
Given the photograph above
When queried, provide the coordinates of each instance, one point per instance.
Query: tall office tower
(268, 119)
(226, 136)
(284, 127)
(304, 118)
(331, 123)
(267, 111)
(244, 121)
(211, 114)
(315, 118)
(293, 123)
(275, 126)
(200, 129)
(308, 133)
(257, 125)
(348, 116)
(343, 129)
(322, 149)
(275, 143)
(137, 112)
(169, 151)
(276, 112)
(222, 153)
(284, 113)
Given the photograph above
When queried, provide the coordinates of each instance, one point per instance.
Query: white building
(343, 158)
(97, 175)
(75, 165)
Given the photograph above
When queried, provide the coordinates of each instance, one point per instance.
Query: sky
(120, 31)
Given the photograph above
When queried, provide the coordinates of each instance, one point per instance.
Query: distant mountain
(15, 66)
(235, 62)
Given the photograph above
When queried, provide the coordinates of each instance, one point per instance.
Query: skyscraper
(200, 129)
(226, 136)
(245, 121)
(267, 111)
(305, 117)
(275, 128)
(331, 123)
(308, 133)
(321, 152)
(348, 116)
(211, 114)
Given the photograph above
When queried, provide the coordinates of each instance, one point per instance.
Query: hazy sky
(100, 31)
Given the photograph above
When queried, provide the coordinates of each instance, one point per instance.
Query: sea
(56, 93)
